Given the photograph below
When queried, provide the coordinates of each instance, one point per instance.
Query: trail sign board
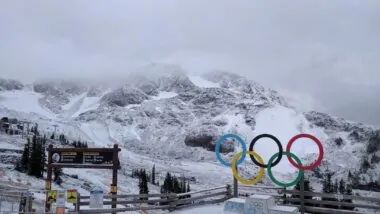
(83, 157)
(90, 158)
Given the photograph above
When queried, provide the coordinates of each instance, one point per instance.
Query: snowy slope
(153, 117)
(24, 101)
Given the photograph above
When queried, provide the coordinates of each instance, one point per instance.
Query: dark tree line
(64, 141)
(79, 144)
(174, 185)
(336, 187)
(33, 158)
(143, 184)
(329, 187)
(171, 183)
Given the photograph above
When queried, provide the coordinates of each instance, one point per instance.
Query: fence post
(30, 201)
(236, 193)
(229, 191)
(173, 198)
(302, 194)
(284, 196)
(77, 203)
(22, 203)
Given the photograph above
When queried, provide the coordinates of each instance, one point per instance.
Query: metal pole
(114, 176)
(236, 194)
(302, 194)
(48, 178)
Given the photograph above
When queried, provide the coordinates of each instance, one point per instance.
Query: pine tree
(329, 187)
(154, 174)
(348, 191)
(342, 186)
(143, 185)
(176, 187)
(167, 187)
(188, 189)
(24, 162)
(335, 186)
(36, 159)
(43, 154)
(327, 184)
(52, 136)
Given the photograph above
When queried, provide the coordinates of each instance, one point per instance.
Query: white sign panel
(61, 199)
(96, 198)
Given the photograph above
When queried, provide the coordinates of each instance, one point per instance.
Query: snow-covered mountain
(164, 116)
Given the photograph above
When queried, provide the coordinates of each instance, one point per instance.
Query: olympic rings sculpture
(273, 161)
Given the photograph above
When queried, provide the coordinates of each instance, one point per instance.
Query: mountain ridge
(184, 118)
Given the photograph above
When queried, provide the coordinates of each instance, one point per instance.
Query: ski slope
(24, 101)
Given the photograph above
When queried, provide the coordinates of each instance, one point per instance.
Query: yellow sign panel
(69, 153)
(90, 153)
(52, 196)
(72, 196)
(48, 185)
(113, 188)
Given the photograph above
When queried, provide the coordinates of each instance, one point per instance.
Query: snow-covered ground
(24, 101)
(209, 209)
(201, 82)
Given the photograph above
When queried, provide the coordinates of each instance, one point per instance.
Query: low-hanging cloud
(326, 50)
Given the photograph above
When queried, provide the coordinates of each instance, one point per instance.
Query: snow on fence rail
(171, 201)
(316, 205)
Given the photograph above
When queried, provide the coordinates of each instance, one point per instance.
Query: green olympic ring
(270, 174)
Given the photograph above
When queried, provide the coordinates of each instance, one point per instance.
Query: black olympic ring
(279, 148)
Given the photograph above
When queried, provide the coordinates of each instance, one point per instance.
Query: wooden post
(78, 202)
(30, 202)
(236, 193)
(229, 192)
(114, 176)
(173, 200)
(48, 178)
(284, 196)
(302, 194)
(22, 204)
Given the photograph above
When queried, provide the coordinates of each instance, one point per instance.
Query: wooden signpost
(91, 158)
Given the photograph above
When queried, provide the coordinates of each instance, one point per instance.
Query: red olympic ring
(320, 147)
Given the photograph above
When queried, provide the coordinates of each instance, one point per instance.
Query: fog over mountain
(323, 54)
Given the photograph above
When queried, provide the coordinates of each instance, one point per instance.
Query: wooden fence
(168, 201)
(315, 205)
(171, 201)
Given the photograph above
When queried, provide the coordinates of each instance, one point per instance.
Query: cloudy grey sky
(325, 54)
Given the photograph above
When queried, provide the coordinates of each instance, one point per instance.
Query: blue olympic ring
(219, 143)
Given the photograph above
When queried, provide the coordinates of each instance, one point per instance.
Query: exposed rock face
(125, 96)
(208, 142)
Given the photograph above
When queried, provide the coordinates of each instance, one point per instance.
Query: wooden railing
(315, 205)
(172, 201)
(169, 201)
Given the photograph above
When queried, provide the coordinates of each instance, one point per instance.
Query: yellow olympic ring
(237, 176)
